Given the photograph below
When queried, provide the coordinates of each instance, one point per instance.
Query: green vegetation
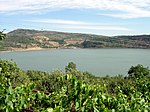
(24, 38)
(72, 90)
(2, 35)
(138, 72)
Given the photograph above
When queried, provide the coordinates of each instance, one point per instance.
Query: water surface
(100, 62)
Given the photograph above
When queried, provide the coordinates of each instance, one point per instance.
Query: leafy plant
(2, 35)
(71, 91)
(138, 71)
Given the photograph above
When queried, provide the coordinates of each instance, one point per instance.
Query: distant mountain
(26, 38)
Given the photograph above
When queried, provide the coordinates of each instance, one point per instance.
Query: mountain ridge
(30, 38)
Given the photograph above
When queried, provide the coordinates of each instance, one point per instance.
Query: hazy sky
(105, 17)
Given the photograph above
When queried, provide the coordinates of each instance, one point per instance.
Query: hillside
(34, 39)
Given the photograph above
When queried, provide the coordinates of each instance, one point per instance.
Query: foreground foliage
(2, 35)
(72, 91)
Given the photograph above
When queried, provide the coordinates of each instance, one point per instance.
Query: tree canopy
(138, 71)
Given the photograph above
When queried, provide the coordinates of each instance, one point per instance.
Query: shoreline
(21, 49)
(39, 48)
(33, 49)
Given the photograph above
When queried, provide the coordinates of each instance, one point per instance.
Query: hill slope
(26, 38)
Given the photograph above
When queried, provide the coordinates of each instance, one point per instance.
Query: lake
(100, 62)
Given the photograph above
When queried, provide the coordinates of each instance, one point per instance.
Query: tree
(71, 66)
(138, 71)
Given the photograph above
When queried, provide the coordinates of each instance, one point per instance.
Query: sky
(104, 17)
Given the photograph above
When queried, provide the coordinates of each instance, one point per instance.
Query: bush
(138, 72)
(9, 70)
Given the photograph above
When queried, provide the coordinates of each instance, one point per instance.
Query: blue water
(100, 62)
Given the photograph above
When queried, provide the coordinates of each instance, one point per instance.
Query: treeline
(72, 90)
(139, 41)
